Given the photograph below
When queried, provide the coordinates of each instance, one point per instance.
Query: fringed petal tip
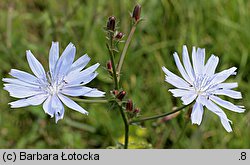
(11, 106)
(54, 42)
(51, 115)
(196, 123)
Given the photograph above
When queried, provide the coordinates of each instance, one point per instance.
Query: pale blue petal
(82, 79)
(200, 55)
(47, 107)
(71, 104)
(82, 91)
(24, 76)
(189, 98)
(179, 92)
(198, 58)
(194, 60)
(171, 74)
(80, 76)
(181, 69)
(175, 80)
(187, 63)
(226, 125)
(222, 86)
(95, 93)
(197, 113)
(227, 104)
(80, 63)
(215, 109)
(37, 99)
(59, 116)
(19, 103)
(222, 76)
(227, 85)
(227, 92)
(76, 91)
(57, 107)
(18, 82)
(35, 66)
(211, 65)
(34, 100)
(65, 61)
(88, 79)
(90, 69)
(21, 91)
(53, 57)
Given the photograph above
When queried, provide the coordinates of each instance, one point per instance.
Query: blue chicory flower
(202, 84)
(65, 77)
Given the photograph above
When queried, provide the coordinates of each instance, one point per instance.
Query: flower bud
(169, 117)
(121, 95)
(109, 66)
(115, 92)
(137, 12)
(111, 23)
(136, 110)
(129, 105)
(119, 35)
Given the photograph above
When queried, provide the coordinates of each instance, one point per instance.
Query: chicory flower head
(201, 84)
(65, 77)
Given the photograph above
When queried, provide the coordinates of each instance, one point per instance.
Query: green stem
(89, 101)
(124, 117)
(124, 51)
(157, 116)
(111, 53)
(126, 125)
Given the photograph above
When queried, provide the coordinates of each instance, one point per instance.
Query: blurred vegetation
(222, 27)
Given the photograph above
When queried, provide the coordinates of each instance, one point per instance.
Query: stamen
(201, 83)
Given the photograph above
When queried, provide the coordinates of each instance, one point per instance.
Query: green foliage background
(222, 27)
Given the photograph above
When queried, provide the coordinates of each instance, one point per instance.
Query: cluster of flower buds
(119, 95)
(132, 112)
(111, 28)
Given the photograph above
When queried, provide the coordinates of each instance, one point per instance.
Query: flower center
(54, 86)
(52, 89)
(201, 83)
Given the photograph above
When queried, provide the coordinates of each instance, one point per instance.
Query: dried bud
(115, 92)
(121, 95)
(137, 12)
(109, 66)
(111, 23)
(129, 105)
(169, 117)
(136, 110)
(119, 35)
